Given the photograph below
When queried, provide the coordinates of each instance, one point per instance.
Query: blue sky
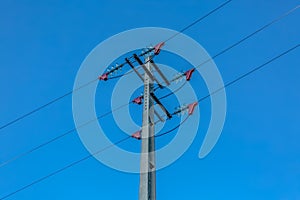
(43, 44)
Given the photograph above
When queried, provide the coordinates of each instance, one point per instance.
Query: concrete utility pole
(147, 189)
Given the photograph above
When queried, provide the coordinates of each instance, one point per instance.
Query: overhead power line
(109, 112)
(250, 72)
(60, 136)
(198, 20)
(126, 138)
(45, 105)
(71, 92)
(250, 35)
(169, 115)
(218, 54)
(64, 168)
(74, 129)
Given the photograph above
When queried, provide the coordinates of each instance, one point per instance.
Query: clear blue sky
(42, 44)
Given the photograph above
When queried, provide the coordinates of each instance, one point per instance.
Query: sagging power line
(110, 72)
(159, 135)
(130, 71)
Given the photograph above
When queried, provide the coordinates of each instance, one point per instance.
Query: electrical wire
(251, 35)
(198, 20)
(184, 29)
(73, 164)
(250, 72)
(45, 105)
(245, 38)
(173, 129)
(171, 93)
(61, 136)
(73, 130)
(231, 83)
(89, 156)
(69, 93)
(64, 168)
(226, 85)
(109, 112)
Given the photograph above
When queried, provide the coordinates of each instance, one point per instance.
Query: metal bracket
(131, 65)
(161, 105)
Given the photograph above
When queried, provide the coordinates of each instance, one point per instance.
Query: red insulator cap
(138, 100)
(137, 135)
(103, 77)
(191, 107)
(188, 74)
(158, 47)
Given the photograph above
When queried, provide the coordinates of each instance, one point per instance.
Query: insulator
(119, 67)
(114, 70)
(184, 112)
(147, 52)
(103, 77)
(138, 100)
(191, 107)
(158, 47)
(183, 109)
(189, 73)
(178, 77)
(137, 135)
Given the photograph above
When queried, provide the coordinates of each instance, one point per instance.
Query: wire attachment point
(191, 107)
(137, 135)
(178, 77)
(138, 100)
(104, 77)
(188, 74)
(157, 48)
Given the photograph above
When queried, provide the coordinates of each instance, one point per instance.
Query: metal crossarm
(134, 69)
(158, 116)
(160, 73)
(144, 67)
(161, 105)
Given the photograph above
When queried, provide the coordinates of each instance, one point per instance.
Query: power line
(251, 35)
(174, 128)
(171, 93)
(60, 136)
(198, 20)
(247, 36)
(231, 83)
(228, 84)
(250, 72)
(184, 29)
(45, 105)
(89, 156)
(69, 93)
(74, 129)
(63, 169)
(216, 55)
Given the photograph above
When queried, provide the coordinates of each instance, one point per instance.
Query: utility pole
(147, 190)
